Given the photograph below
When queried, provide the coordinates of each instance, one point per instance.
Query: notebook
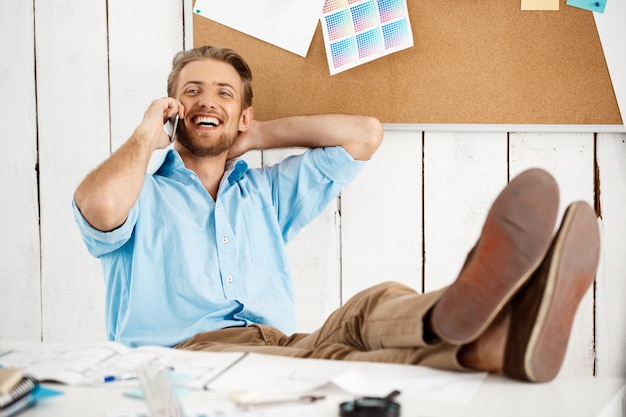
(17, 407)
(9, 377)
(21, 389)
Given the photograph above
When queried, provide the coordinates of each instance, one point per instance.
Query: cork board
(474, 62)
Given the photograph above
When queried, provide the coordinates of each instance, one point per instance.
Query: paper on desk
(288, 24)
(286, 411)
(60, 364)
(415, 382)
(277, 374)
(87, 364)
(234, 371)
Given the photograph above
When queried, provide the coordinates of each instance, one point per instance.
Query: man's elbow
(372, 139)
(99, 213)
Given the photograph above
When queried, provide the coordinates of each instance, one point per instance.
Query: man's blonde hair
(218, 53)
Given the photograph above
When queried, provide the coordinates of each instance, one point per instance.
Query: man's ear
(246, 119)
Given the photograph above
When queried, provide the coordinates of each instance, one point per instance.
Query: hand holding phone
(170, 127)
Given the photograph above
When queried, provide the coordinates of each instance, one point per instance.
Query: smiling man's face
(211, 92)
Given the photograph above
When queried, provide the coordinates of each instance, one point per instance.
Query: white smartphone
(170, 127)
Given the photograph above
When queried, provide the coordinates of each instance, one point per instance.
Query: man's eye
(226, 93)
(192, 91)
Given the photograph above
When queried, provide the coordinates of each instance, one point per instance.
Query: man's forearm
(107, 194)
(360, 136)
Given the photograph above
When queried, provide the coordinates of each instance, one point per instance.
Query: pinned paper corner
(597, 6)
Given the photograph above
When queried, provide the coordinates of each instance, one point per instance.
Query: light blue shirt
(182, 264)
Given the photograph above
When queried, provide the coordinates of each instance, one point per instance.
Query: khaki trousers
(383, 323)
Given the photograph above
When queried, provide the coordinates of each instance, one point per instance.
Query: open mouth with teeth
(204, 121)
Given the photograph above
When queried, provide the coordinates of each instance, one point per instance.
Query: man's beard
(200, 147)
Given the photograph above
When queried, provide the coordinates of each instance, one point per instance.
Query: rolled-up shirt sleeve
(305, 184)
(337, 164)
(100, 243)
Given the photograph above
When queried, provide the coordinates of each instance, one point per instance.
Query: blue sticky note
(593, 5)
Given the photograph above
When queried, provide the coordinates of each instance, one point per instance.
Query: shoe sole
(543, 312)
(514, 239)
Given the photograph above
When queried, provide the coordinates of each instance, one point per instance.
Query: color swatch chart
(359, 31)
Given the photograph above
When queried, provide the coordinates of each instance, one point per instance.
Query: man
(194, 253)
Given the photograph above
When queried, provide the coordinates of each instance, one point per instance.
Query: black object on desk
(371, 407)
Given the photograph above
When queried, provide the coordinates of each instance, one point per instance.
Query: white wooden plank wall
(75, 78)
(73, 134)
(20, 300)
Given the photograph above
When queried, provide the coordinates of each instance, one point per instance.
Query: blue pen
(127, 376)
(119, 377)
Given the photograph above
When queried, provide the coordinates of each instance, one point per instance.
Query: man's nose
(207, 100)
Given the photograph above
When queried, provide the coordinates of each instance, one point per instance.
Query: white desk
(497, 397)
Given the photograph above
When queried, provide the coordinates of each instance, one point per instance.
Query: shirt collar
(171, 165)
(235, 170)
(169, 162)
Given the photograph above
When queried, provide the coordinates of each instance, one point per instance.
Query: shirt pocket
(265, 245)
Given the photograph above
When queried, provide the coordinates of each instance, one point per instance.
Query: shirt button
(230, 280)
(224, 240)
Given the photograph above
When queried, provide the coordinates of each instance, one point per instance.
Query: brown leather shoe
(514, 239)
(544, 309)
